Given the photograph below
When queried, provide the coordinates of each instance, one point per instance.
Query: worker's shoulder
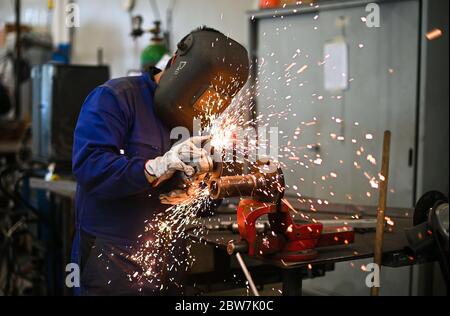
(125, 85)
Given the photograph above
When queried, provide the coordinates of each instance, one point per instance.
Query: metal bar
(18, 57)
(356, 223)
(253, 51)
(421, 74)
(382, 204)
(247, 275)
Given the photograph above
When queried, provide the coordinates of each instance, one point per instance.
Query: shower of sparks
(163, 250)
(164, 247)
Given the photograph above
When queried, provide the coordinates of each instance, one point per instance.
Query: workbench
(63, 188)
(292, 274)
(59, 204)
(268, 271)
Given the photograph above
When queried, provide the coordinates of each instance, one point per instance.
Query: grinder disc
(425, 204)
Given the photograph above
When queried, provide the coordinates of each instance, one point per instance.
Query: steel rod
(17, 61)
(247, 275)
(382, 204)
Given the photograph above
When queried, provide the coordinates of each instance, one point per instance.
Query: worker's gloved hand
(187, 157)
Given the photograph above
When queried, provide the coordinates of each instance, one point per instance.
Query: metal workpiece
(234, 186)
(267, 186)
(261, 227)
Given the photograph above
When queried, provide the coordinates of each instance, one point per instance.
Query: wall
(104, 24)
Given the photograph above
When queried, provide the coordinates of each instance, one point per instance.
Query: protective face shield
(207, 71)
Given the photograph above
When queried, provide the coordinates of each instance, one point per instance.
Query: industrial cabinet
(58, 95)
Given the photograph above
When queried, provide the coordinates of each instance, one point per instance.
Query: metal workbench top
(395, 240)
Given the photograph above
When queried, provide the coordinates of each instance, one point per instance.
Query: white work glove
(187, 157)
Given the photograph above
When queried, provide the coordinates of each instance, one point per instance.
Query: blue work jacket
(117, 132)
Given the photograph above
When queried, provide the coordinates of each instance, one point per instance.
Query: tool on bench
(263, 191)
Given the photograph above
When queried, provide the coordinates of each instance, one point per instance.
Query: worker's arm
(98, 164)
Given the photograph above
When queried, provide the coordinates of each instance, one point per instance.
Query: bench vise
(262, 192)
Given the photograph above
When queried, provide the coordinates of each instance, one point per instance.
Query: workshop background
(397, 80)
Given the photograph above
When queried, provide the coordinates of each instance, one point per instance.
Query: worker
(124, 157)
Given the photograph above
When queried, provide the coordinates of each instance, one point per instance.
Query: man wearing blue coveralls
(123, 154)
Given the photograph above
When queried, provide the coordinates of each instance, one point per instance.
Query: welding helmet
(206, 72)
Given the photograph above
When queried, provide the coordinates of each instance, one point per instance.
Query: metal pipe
(18, 58)
(247, 275)
(233, 187)
(382, 204)
(264, 186)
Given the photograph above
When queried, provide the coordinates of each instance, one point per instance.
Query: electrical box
(59, 92)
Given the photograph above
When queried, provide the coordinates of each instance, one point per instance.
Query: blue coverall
(117, 133)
